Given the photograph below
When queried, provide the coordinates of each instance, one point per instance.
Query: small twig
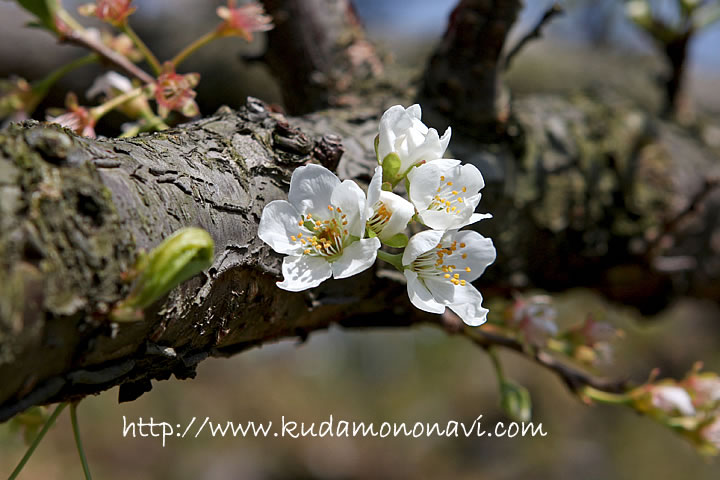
(84, 40)
(671, 225)
(536, 32)
(36, 441)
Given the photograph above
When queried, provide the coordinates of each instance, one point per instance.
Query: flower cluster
(690, 406)
(244, 20)
(328, 228)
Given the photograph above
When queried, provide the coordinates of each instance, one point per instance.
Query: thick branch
(319, 53)
(570, 209)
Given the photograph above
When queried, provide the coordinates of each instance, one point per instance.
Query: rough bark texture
(319, 53)
(586, 191)
(463, 79)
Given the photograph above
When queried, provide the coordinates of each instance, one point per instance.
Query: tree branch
(536, 32)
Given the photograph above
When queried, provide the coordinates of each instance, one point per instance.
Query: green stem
(68, 19)
(495, 358)
(394, 259)
(42, 86)
(76, 432)
(149, 56)
(36, 441)
(196, 45)
(606, 397)
(101, 110)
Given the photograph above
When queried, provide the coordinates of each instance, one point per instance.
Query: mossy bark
(575, 187)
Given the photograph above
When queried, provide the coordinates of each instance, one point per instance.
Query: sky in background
(409, 19)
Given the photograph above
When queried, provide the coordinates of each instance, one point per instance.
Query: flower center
(327, 237)
(381, 217)
(439, 263)
(448, 197)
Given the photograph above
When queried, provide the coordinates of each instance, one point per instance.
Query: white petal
(402, 213)
(277, 224)
(350, 199)
(356, 257)
(471, 313)
(414, 111)
(445, 139)
(303, 272)
(480, 253)
(420, 296)
(420, 243)
(440, 219)
(375, 187)
(424, 182)
(311, 189)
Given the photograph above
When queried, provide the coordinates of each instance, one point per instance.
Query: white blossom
(439, 268)
(320, 228)
(401, 132)
(109, 85)
(446, 193)
(390, 213)
(711, 433)
(670, 398)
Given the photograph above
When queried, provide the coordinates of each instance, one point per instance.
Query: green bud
(387, 186)
(516, 401)
(391, 167)
(397, 241)
(184, 254)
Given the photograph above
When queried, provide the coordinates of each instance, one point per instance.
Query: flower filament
(326, 237)
(436, 263)
(447, 198)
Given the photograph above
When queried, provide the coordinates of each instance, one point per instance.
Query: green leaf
(391, 167)
(181, 256)
(397, 241)
(516, 401)
(44, 10)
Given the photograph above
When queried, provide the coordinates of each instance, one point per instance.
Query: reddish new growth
(114, 12)
(76, 118)
(242, 21)
(175, 92)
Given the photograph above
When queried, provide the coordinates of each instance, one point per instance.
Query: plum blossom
(243, 21)
(174, 91)
(671, 398)
(439, 268)
(705, 388)
(401, 132)
(76, 118)
(711, 433)
(114, 12)
(109, 85)
(535, 317)
(390, 213)
(320, 228)
(446, 193)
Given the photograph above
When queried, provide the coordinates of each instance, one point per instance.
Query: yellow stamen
(456, 276)
(464, 255)
(462, 245)
(447, 275)
(293, 238)
(467, 269)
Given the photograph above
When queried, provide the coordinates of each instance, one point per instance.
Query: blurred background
(416, 375)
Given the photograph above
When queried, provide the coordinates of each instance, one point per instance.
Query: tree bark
(586, 191)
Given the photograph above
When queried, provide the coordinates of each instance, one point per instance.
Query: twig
(671, 225)
(84, 40)
(536, 32)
